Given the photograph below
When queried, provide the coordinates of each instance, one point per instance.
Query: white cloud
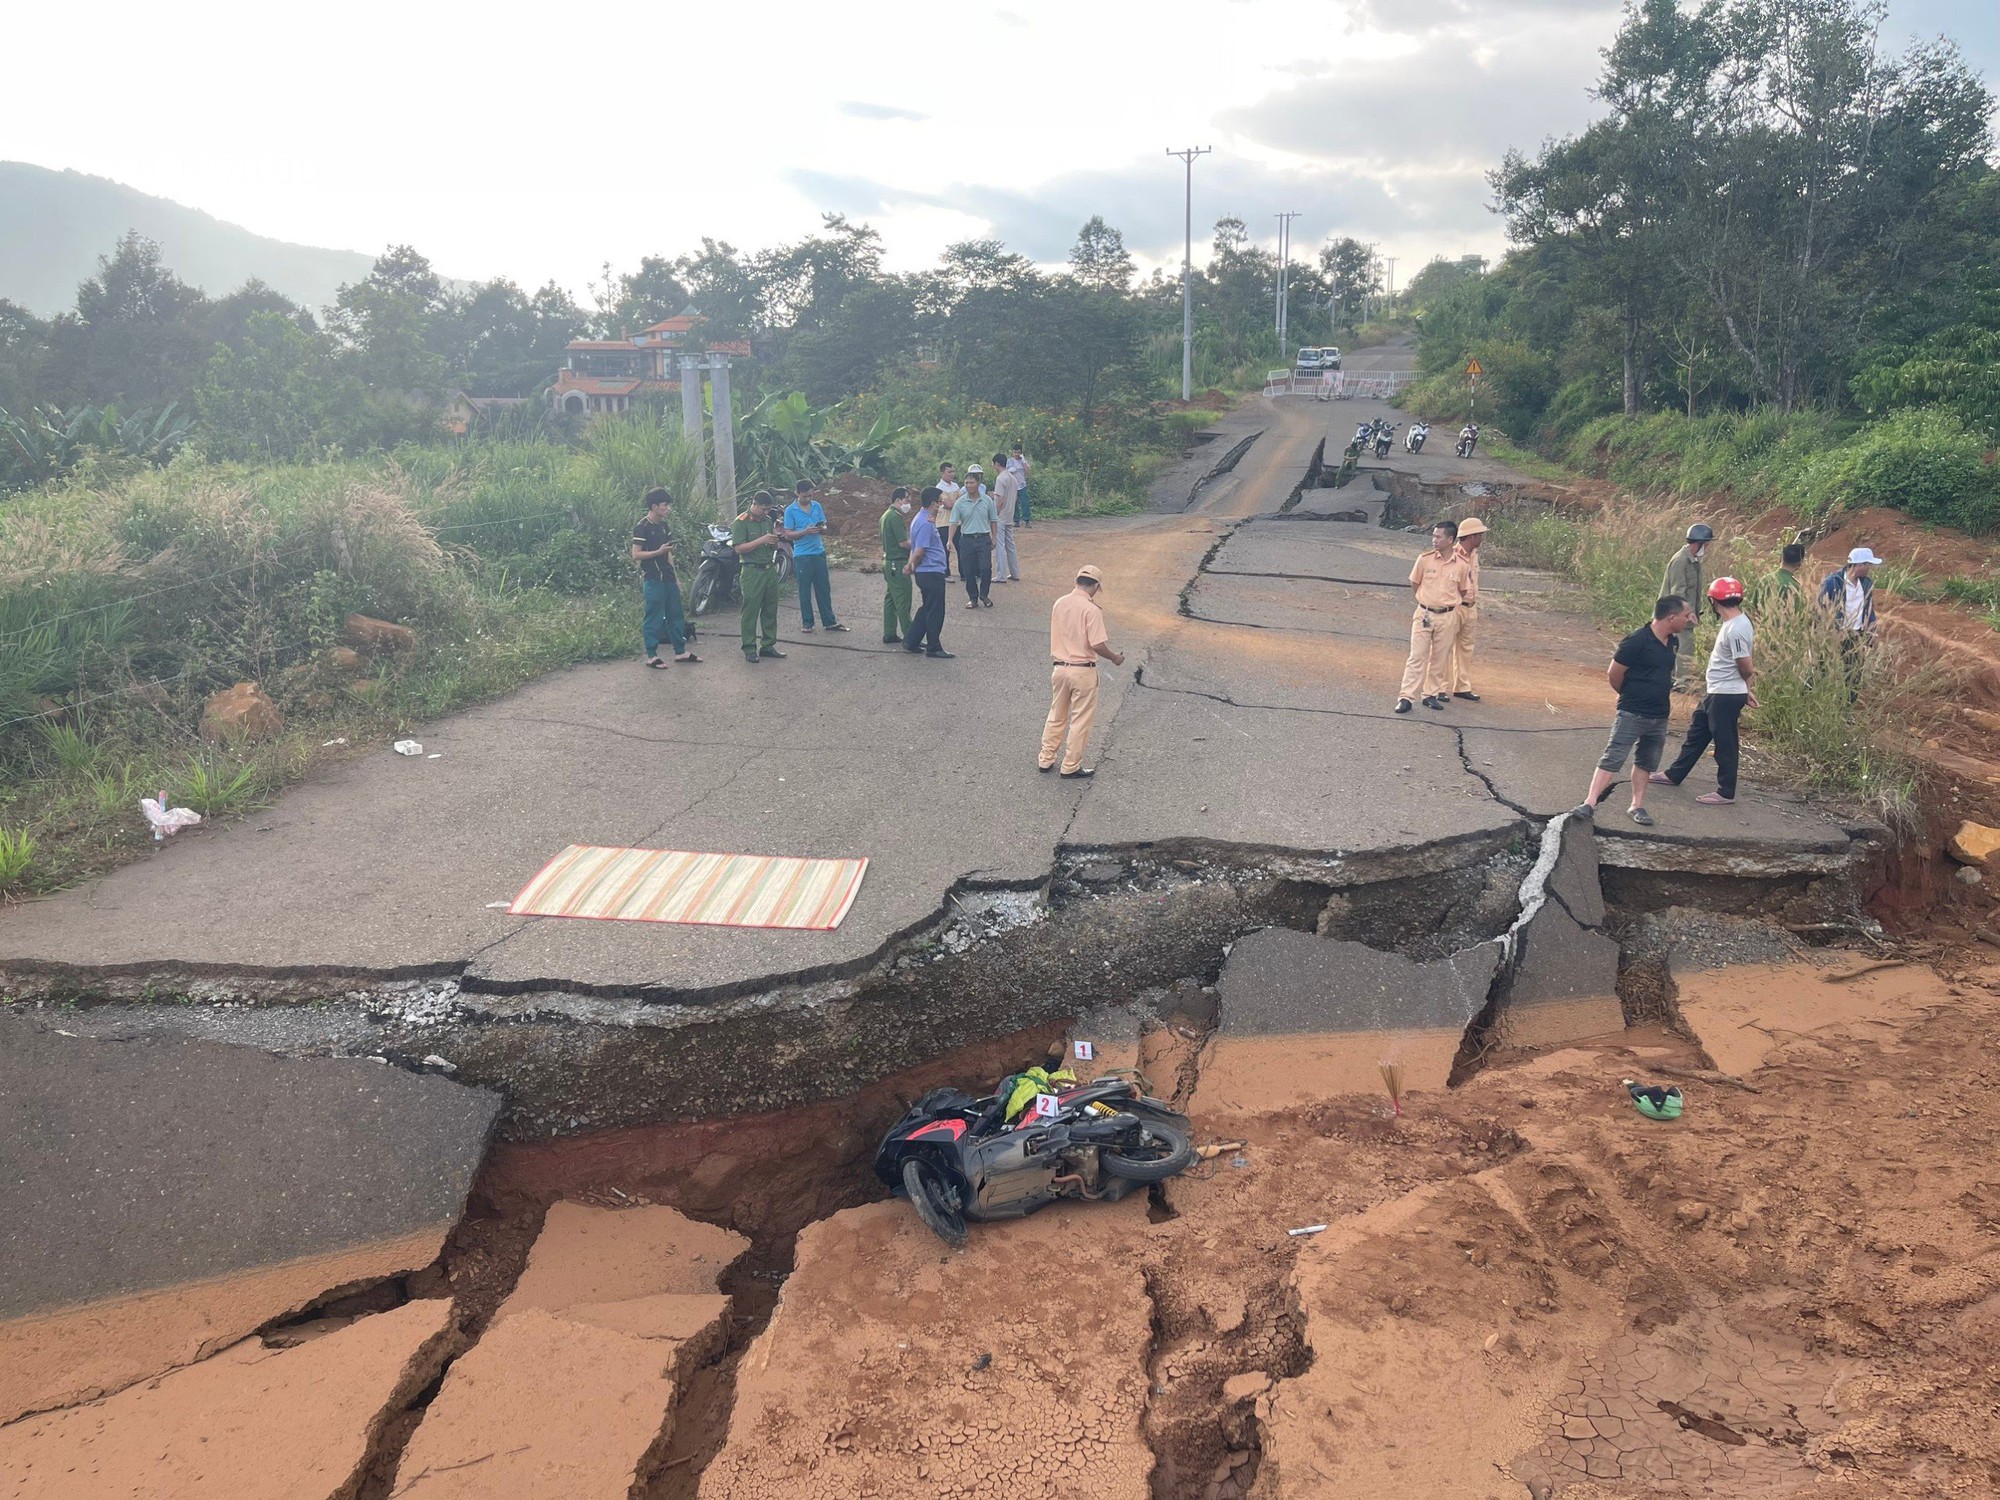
(509, 142)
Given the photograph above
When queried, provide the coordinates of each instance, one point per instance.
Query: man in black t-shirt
(653, 551)
(1642, 675)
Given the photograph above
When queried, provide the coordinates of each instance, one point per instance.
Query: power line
(1187, 156)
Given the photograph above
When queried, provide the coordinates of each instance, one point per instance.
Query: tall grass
(1848, 724)
(123, 608)
(1850, 728)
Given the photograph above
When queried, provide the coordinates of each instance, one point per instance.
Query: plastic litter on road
(1309, 1229)
(166, 821)
(407, 747)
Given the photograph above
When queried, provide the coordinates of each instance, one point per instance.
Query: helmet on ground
(1699, 532)
(1726, 591)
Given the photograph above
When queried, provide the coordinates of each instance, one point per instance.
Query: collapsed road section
(675, 1276)
(1319, 969)
(1109, 925)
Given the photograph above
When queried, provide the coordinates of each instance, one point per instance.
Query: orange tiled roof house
(610, 374)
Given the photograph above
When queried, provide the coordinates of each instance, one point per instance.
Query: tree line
(1774, 213)
(255, 376)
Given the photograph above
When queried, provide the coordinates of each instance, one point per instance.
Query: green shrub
(17, 856)
(1574, 406)
(211, 786)
(1922, 460)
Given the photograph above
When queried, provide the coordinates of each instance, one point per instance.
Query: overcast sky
(538, 141)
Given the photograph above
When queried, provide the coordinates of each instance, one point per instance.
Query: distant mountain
(54, 225)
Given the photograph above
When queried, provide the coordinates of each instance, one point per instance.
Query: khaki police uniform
(1076, 629)
(1468, 618)
(1442, 585)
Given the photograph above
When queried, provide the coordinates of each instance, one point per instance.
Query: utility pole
(1284, 271)
(1390, 260)
(1188, 156)
(691, 421)
(725, 432)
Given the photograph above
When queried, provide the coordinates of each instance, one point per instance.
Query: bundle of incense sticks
(1392, 1080)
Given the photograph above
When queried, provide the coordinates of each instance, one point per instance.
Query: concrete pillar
(725, 431)
(691, 421)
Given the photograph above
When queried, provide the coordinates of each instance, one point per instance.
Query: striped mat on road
(673, 885)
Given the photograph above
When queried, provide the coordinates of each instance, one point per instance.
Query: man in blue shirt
(926, 566)
(805, 518)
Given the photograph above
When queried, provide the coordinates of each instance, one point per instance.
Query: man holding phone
(805, 520)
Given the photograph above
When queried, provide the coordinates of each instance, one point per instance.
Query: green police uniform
(895, 553)
(758, 582)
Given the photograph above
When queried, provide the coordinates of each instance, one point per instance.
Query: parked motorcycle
(958, 1159)
(1468, 437)
(1385, 439)
(1413, 440)
(716, 580)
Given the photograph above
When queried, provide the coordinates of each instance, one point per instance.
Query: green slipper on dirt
(1654, 1102)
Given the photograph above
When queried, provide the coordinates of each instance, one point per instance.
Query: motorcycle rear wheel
(704, 591)
(936, 1204)
(1167, 1154)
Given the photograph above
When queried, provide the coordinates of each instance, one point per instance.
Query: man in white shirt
(1006, 495)
(949, 489)
(1715, 720)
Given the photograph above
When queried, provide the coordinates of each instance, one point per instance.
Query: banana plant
(47, 442)
(783, 439)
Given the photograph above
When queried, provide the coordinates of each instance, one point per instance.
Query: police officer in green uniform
(896, 552)
(757, 538)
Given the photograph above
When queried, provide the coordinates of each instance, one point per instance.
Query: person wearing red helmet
(1715, 721)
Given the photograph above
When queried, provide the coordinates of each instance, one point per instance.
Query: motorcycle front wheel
(934, 1200)
(1164, 1152)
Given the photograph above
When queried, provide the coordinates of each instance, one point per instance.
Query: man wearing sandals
(1642, 675)
(1729, 693)
(653, 551)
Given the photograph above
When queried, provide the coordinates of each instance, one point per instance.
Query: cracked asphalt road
(1263, 722)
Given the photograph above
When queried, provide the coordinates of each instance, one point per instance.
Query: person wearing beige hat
(1471, 532)
(1077, 640)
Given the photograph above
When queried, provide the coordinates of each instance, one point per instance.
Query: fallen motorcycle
(960, 1159)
